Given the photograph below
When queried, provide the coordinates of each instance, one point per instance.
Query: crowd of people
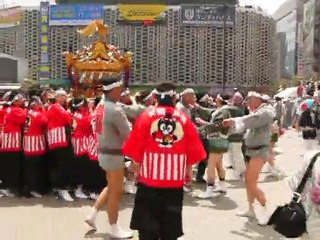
(146, 144)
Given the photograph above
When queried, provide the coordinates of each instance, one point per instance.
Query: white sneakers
(246, 213)
(260, 213)
(117, 232)
(35, 194)
(6, 193)
(209, 193)
(130, 187)
(65, 195)
(80, 194)
(221, 187)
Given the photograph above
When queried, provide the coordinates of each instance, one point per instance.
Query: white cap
(60, 92)
(187, 91)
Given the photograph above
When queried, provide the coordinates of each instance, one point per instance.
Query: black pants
(11, 171)
(157, 213)
(203, 164)
(95, 177)
(145, 235)
(60, 166)
(36, 174)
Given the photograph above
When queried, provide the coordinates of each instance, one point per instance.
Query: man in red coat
(59, 144)
(34, 146)
(163, 142)
(11, 156)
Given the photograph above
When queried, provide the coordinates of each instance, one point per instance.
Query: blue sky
(268, 5)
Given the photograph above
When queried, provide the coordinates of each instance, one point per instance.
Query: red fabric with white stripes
(82, 130)
(163, 157)
(93, 147)
(14, 120)
(58, 120)
(34, 143)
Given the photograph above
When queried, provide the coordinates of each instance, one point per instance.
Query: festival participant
(163, 143)
(145, 98)
(258, 125)
(59, 123)
(81, 130)
(34, 147)
(112, 128)
(188, 100)
(216, 134)
(11, 148)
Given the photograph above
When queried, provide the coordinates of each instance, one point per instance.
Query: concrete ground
(50, 219)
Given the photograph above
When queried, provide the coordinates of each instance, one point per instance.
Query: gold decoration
(98, 60)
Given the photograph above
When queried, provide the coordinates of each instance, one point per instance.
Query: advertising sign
(208, 15)
(75, 14)
(141, 12)
(10, 17)
(44, 66)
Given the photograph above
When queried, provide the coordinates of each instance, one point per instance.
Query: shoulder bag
(290, 220)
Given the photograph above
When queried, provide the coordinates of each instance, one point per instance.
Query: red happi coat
(93, 138)
(34, 142)
(82, 130)
(58, 120)
(164, 141)
(14, 120)
(3, 111)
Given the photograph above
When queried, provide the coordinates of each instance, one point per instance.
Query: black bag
(290, 220)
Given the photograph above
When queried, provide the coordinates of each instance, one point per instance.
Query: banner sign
(44, 66)
(75, 14)
(10, 17)
(141, 12)
(208, 15)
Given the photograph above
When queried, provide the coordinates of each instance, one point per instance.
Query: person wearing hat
(11, 163)
(59, 144)
(34, 148)
(218, 144)
(188, 99)
(163, 142)
(258, 126)
(112, 128)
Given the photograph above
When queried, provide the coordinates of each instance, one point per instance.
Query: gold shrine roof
(99, 58)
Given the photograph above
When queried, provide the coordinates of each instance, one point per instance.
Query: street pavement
(51, 219)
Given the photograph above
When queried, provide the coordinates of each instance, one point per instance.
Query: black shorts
(158, 210)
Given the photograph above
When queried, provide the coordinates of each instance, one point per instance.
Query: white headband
(113, 85)
(264, 97)
(170, 93)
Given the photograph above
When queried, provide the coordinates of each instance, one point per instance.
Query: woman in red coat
(34, 147)
(11, 155)
(60, 147)
(81, 130)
